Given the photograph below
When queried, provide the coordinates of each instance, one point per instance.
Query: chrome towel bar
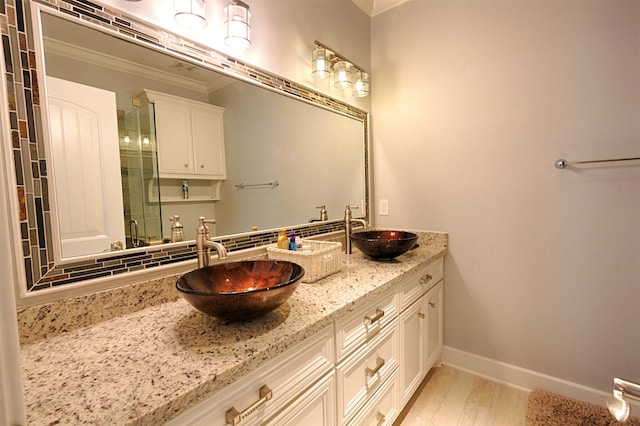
(562, 163)
(258, 185)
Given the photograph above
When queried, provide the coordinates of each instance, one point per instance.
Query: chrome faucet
(348, 221)
(204, 243)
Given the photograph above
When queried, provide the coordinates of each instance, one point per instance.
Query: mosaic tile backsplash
(32, 185)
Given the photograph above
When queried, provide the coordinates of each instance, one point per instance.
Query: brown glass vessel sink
(384, 244)
(242, 290)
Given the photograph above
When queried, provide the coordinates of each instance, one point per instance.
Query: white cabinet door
(173, 128)
(86, 160)
(435, 334)
(190, 138)
(208, 141)
(413, 330)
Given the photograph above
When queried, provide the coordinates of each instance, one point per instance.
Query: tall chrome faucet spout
(204, 243)
(348, 225)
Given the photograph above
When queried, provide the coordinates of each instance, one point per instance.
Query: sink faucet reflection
(323, 214)
(204, 243)
(348, 222)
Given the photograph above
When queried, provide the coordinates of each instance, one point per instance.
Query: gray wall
(474, 102)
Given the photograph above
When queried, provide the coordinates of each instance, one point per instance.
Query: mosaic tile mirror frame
(27, 145)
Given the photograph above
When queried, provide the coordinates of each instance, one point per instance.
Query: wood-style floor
(450, 397)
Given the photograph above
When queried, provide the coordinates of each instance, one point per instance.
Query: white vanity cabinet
(421, 327)
(361, 370)
(190, 138)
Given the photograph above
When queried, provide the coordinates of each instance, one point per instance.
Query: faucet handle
(203, 229)
(347, 210)
(203, 220)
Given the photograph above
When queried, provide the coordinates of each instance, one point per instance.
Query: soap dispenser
(283, 241)
(177, 230)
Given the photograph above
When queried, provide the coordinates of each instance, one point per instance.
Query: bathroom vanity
(348, 349)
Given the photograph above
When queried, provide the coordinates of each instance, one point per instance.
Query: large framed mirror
(287, 150)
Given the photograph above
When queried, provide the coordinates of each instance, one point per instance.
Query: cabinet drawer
(365, 323)
(287, 377)
(383, 408)
(364, 371)
(316, 407)
(418, 284)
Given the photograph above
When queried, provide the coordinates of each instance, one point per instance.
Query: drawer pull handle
(369, 372)
(368, 320)
(432, 305)
(380, 418)
(420, 315)
(233, 416)
(426, 279)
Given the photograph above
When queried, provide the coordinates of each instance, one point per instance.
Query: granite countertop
(142, 355)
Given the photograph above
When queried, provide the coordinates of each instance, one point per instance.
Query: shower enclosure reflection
(139, 171)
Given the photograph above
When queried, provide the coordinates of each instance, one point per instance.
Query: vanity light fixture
(361, 84)
(326, 62)
(321, 62)
(237, 27)
(190, 13)
(617, 404)
(343, 74)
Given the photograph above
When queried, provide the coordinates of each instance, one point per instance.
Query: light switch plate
(383, 208)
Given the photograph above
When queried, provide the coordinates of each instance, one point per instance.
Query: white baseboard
(522, 378)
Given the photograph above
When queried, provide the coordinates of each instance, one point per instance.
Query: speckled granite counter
(142, 355)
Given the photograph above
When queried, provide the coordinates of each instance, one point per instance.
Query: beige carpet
(550, 409)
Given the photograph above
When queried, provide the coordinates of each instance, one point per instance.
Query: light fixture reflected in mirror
(617, 404)
(326, 62)
(190, 14)
(237, 26)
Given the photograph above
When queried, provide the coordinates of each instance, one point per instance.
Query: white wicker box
(320, 259)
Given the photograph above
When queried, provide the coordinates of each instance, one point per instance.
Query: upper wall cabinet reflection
(138, 136)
